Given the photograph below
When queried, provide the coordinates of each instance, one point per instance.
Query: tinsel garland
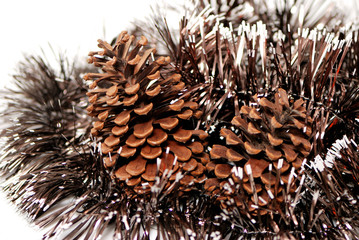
(244, 124)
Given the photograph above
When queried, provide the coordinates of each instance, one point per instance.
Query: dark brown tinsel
(268, 94)
(47, 134)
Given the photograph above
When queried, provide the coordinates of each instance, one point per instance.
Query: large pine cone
(144, 116)
(263, 152)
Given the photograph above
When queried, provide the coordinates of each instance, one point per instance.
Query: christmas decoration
(243, 123)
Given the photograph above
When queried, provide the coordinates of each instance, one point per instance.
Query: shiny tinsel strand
(48, 135)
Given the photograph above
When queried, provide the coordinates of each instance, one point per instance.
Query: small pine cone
(262, 153)
(143, 116)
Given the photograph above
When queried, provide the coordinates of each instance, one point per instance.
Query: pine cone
(144, 113)
(263, 152)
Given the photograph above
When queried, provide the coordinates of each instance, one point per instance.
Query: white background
(69, 26)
